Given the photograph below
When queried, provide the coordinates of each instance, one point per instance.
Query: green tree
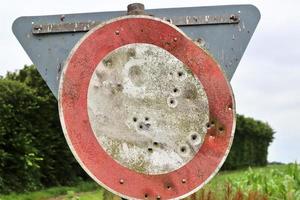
(57, 165)
(250, 146)
(19, 158)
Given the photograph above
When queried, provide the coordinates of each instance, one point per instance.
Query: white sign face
(147, 109)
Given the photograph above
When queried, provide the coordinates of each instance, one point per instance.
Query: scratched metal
(226, 42)
(178, 21)
(147, 109)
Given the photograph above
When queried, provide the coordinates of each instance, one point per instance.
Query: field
(274, 182)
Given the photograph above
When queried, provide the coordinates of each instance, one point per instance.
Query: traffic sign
(144, 96)
(145, 110)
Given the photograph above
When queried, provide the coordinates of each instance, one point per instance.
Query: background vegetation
(33, 150)
(274, 182)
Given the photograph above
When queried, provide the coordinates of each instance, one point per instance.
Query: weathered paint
(147, 109)
(73, 108)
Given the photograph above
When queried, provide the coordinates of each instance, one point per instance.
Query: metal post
(136, 9)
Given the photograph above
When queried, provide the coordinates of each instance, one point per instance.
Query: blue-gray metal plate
(226, 42)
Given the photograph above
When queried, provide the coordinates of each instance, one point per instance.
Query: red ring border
(74, 117)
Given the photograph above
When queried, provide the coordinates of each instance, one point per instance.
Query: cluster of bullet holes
(172, 101)
(144, 125)
(218, 127)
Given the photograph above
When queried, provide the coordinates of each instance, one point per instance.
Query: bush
(19, 157)
(250, 146)
(31, 136)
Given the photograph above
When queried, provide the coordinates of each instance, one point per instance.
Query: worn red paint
(73, 104)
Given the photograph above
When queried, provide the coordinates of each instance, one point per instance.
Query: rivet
(121, 181)
(183, 181)
(117, 32)
(158, 197)
(175, 39)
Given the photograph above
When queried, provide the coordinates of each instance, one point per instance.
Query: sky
(266, 84)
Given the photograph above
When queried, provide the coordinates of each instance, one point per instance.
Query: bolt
(62, 18)
(234, 17)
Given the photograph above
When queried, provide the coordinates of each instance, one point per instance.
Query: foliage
(19, 158)
(81, 187)
(279, 182)
(276, 182)
(29, 116)
(250, 146)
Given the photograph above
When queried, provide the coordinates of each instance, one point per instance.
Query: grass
(276, 182)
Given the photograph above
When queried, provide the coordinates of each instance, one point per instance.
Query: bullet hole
(183, 149)
(194, 137)
(180, 74)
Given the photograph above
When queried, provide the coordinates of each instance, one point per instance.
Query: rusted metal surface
(160, 110)
(178, 21)
(81, 78)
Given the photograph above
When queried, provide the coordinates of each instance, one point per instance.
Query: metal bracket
(178, 21)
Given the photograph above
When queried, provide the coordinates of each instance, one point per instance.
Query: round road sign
(146, 112)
